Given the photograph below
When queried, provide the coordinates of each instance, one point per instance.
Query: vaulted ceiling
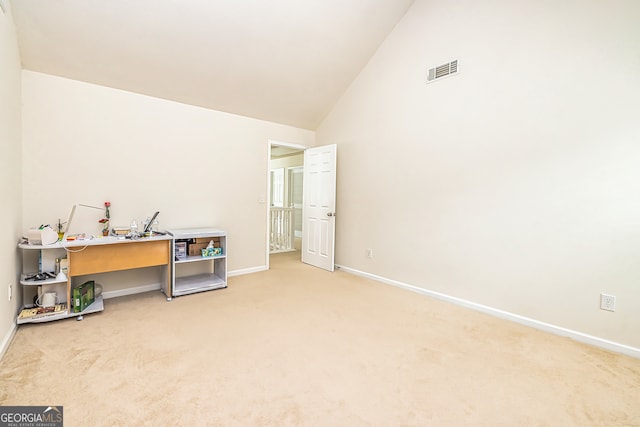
(285, 61)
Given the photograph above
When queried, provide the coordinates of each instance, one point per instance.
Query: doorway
(285, 190)
(309, 231)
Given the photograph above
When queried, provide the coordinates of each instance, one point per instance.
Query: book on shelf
(120, 231)
(83, 296)
(39, 312)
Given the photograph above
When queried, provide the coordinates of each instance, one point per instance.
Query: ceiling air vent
(441, 71)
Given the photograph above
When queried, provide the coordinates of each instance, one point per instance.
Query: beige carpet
(300, 346)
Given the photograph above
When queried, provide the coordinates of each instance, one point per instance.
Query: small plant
(105, 221)
(60, 230)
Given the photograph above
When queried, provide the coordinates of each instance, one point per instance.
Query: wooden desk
(99, 255)
(112, 254)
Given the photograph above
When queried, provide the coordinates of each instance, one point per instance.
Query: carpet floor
(299, 346)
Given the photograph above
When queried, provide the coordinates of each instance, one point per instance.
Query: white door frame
(271, 142)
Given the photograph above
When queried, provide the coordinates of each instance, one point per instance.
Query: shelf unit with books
(194, 271)
(38, 278)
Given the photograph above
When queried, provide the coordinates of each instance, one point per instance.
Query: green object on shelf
(83, 296)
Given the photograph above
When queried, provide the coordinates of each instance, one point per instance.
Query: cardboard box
(196, 248)
(206, 240)
(196, 245)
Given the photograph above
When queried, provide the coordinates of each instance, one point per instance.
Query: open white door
(319, 206)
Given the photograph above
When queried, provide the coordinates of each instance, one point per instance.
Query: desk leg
(167, 279)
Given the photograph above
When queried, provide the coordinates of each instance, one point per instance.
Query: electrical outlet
(10, 287)
(369, 253)
(607, 302)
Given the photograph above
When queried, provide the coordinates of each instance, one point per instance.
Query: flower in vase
(105, 221)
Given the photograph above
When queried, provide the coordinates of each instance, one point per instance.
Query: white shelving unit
(38, 258)
(196, 273)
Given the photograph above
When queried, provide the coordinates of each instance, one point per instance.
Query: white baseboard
(4, 346)
(547, 327)
(131, 291)
(247, 271)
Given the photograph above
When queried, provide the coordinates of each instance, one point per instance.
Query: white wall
(89, 144)
(514, 184)
(10, 175)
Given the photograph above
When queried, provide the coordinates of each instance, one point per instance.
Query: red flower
(107, 204)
